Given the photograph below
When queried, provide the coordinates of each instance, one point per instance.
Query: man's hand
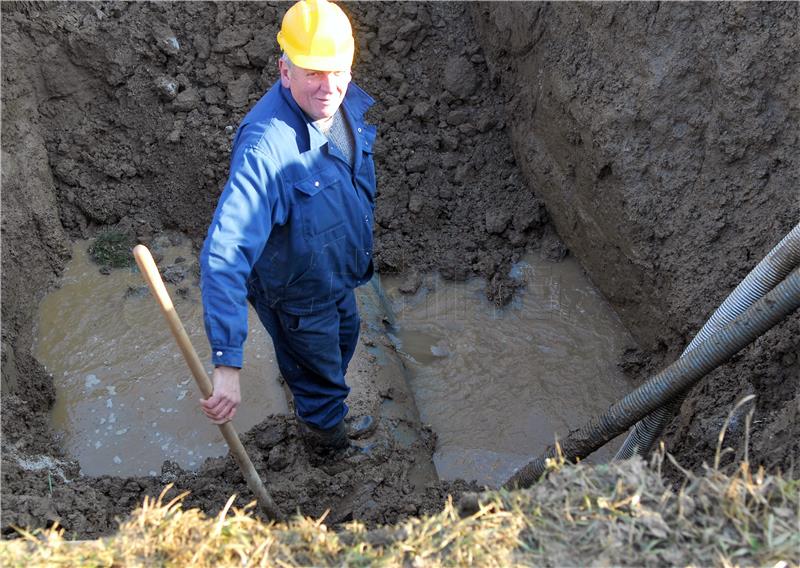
(221, 406)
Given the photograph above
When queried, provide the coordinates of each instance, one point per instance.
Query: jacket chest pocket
(321, 201)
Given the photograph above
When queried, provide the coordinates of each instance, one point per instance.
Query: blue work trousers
(313, 352)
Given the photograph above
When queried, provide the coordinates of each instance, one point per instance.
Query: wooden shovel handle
(151, 275)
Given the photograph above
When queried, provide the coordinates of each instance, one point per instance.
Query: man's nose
(328, 82)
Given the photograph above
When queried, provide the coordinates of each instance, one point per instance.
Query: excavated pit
(661, 139)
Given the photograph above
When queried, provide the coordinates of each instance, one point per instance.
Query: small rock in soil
(411, 284)
(460, 77)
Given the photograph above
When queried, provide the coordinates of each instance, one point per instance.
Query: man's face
(318, 93)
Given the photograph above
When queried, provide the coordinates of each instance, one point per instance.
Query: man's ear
(283, 67)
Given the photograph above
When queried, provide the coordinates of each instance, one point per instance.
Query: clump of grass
(112, 249)
(616, 514)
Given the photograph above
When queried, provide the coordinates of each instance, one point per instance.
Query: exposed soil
(373, 487)
(644, 147)
(663, 139)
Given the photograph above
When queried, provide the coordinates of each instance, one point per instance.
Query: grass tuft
(615, 514)
(112, 249)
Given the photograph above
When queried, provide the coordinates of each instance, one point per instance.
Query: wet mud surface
(372, 485)
(121, 115)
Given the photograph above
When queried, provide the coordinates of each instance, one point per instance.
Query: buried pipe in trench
(669, 383)
(772, 269)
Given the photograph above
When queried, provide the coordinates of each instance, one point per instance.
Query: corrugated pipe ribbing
(772, 269)
(675, 379)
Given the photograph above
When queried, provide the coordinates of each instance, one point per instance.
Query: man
(292, 233)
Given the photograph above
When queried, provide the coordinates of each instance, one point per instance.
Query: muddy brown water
(125, 399)
(497, 385)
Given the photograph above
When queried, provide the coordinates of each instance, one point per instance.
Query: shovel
(150, 272)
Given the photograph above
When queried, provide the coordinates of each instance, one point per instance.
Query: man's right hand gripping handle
(221, 406)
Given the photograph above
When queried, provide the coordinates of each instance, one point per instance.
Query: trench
(486, 113)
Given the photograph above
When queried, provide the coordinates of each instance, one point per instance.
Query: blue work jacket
(293, 226)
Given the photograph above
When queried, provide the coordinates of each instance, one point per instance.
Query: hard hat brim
(341, 62)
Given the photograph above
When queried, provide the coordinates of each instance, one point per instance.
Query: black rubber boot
(323, 442)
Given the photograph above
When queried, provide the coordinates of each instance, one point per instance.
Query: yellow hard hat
(316, 34)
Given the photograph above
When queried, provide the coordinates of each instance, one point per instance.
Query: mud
(121, 115)
(373, 487)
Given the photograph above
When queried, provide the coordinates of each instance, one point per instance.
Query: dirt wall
(663, 139)
(34, 245)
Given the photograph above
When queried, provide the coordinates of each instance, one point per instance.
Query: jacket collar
(356, 103)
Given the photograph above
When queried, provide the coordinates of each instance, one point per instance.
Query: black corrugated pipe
(672, 381)
(772, 269)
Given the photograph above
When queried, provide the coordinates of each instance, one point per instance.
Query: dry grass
(578, 515)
